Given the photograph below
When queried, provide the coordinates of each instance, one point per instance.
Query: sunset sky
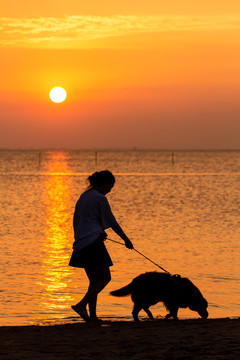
(145, 74)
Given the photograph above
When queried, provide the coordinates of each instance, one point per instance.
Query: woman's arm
(119, 231)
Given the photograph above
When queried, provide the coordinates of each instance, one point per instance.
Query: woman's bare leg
(99, 277)
(93, 308)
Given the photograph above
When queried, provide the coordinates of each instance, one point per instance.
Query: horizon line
(114, 149)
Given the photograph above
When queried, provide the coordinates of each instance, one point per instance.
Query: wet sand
(158, 339)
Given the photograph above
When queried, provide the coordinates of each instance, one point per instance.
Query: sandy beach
(158, 339)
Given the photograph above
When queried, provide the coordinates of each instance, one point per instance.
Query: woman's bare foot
(95, 319)
(82, 312)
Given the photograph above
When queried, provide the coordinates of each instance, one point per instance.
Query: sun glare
(58, 94)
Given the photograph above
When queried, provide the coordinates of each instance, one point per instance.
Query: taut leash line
(151, 261)
(118, 242)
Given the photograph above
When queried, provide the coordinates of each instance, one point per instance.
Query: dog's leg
(135, 311)
(173, 310)
(146, 309)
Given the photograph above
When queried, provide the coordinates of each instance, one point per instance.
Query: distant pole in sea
(96, 154)
(173, 158)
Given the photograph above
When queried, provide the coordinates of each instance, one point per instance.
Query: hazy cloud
(73, 31)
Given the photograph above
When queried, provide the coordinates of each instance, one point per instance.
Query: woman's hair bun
(93, 179)
(101, 177)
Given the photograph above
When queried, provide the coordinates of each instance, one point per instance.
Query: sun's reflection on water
(58, 230)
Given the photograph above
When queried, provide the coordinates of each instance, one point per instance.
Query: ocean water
(179, 209)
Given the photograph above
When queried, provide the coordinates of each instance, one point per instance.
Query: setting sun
(58, 94)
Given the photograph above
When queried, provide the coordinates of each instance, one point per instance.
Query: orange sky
(148, 74)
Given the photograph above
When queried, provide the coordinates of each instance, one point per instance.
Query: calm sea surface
(181, 210)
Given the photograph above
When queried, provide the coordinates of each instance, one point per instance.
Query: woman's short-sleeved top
(91, 217)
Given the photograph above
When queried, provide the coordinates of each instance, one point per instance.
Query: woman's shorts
(92, 255)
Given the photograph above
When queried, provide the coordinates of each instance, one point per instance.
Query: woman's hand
(128, 244)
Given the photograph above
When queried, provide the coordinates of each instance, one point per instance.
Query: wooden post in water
(96, 154)
(39, 159)
(173, 159)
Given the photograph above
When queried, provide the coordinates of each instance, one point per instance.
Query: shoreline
(157, 339)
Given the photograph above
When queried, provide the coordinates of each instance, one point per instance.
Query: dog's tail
(124, 291)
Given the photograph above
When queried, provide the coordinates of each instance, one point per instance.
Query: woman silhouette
(92, 216)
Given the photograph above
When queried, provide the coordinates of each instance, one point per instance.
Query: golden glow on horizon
(134, 64)
(58, 94)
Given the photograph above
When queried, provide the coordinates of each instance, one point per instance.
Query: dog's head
(200, 306)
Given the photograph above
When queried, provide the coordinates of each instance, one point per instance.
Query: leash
(118, 242)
